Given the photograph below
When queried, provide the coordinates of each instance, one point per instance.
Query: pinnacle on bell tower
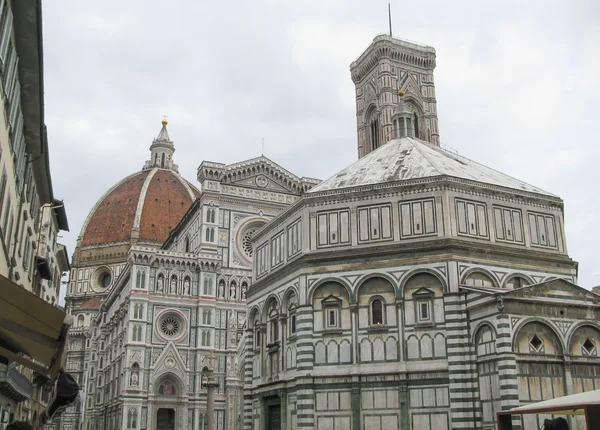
(161, 151)
(394, 76)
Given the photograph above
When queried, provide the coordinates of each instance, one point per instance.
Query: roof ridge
(411, 139)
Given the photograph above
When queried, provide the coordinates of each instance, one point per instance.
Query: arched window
(187, 244)
(374, 131)
(143, 283)
(212, 234)
(141, 311)
(132, 419)
(155, 159)
(80, 321)
(376, 312)
(292, 305)
(416, 124)
(207, 286)
(162, 161)
(138, 279)
(135, 311)
(212, 215)
(273, 324)
(207, 237)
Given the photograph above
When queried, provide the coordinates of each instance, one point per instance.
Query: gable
(423, 292)
(262, 174)
(557, 289)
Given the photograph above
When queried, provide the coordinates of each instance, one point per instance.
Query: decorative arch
(267, 306)
(174, 381)
(582, 325)
(320, 282)
(407, 277)
(254, 313)
(510, 276)
(291, 290)
(483, 271)
(361, 282)
(542, 322)
(484, 339)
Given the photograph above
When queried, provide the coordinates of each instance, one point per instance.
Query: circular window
(247, 242)
(170, 325)
(102, 278)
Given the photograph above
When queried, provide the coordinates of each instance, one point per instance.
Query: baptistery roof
(408, 158)
(144, 206)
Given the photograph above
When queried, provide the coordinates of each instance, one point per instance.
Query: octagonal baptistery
(367, 291)
(142, 208)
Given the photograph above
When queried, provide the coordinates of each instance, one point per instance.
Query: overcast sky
(517, 89)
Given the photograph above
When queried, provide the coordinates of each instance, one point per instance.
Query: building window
(132, 419)
(589, 347)
(424, 310)
(332, 317)
(374, 129)
(137, 333)
(187, 244)
(292, 306)
(256, 336)
(207, 286)
(205, 338)
(206, 316)
(273, 325)
(376, 312)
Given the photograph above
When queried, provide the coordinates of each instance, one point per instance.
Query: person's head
(19, 425)
(556, 424)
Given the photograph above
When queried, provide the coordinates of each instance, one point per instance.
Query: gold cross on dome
(164, 120)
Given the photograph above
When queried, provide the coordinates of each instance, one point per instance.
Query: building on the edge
(159, 278)
(415, 289)
(30, 216)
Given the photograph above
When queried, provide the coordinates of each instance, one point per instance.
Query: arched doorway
(168, 404)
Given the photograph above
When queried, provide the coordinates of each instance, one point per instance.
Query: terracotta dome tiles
(167, 200)
(113, 218)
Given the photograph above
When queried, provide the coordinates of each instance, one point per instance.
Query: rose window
(247, 242)
(170, 326)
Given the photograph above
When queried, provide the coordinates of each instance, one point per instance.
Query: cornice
(448, 248)
(413, 54)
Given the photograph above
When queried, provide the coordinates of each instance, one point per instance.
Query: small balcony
(15, 385)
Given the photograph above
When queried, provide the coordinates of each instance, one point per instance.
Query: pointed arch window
(212, 234)
(415, 121)
(132, 419)
(207, 286)
(162, 161)
(138, 279)
(187, 244)
(374, 131)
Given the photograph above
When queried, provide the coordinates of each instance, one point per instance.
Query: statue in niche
(221, 289)
(173, 286)
(186, 287)
(232, 291)
(134, 379)
(160, 284)
(244, 288)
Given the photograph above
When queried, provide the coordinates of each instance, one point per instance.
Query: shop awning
(32, 331)
(587, 403)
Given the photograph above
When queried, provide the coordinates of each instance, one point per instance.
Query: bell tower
(394, 73)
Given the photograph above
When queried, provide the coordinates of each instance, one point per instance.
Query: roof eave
(29, 44)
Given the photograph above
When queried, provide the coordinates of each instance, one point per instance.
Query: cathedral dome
(144, 206)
